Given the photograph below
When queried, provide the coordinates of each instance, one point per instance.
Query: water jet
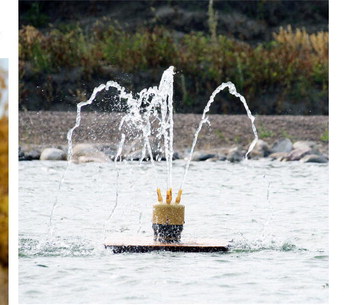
(149, 105)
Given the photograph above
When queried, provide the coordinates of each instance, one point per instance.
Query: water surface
(274, 216)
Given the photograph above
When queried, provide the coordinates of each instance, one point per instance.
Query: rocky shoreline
(42, 136)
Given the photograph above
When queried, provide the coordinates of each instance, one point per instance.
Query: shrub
(292, 67)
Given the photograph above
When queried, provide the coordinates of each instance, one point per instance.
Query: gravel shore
(46, 128)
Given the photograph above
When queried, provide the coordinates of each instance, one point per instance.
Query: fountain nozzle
(168, 218)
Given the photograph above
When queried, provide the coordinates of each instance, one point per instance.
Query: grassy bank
(291, 70)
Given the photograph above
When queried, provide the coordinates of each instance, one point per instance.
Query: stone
(260, 150)
(137, 155)
(32, 155)
(297, 154)
(213, 159)
(235, 154)
(221, 157)
(89, 159)
(304, 145)
(88, 153)
(176, 155)
(21, 155)
(161, 156)
(279, 156)
(53, 154)
(109, 150)
(314, 158)
(283, 145)
(202, 156)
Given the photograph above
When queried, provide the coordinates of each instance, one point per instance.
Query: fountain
(155, 104)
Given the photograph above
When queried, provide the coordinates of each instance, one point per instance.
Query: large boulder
(83, 153)
(282, 145)
(54, 154)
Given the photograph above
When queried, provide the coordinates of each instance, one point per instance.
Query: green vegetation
(325, 136)
(265, 133)
(292, 67)
(221, 135)
(285, 134)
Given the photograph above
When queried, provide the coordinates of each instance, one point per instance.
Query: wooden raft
(142, 246)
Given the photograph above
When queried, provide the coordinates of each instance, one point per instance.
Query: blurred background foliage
(275, 52)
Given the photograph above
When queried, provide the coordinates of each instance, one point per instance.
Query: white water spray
(149, 104)
(204, 119)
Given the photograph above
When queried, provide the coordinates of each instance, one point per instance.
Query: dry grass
(315, 45)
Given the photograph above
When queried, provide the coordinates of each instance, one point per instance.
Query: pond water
(273, 214)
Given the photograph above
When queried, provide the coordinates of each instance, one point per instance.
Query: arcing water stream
(156, 104)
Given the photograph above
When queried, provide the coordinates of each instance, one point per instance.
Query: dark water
(274, 216)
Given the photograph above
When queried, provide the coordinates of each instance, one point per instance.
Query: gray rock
(21, 155)
(282, 145)
(304, 145)
(314, 158)
(32, 155)
(221, 157)
(202, 156)
(260, 150)
(89, 159)
(279, 156)
(297, 154)
(53, 154)
(29, 152)
(161, 156)
(235, 154)
(109, 150)
(176, 155)
(213, 159)
(88, 153)
(137, 155)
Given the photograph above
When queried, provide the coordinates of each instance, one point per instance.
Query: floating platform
(142, 246)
